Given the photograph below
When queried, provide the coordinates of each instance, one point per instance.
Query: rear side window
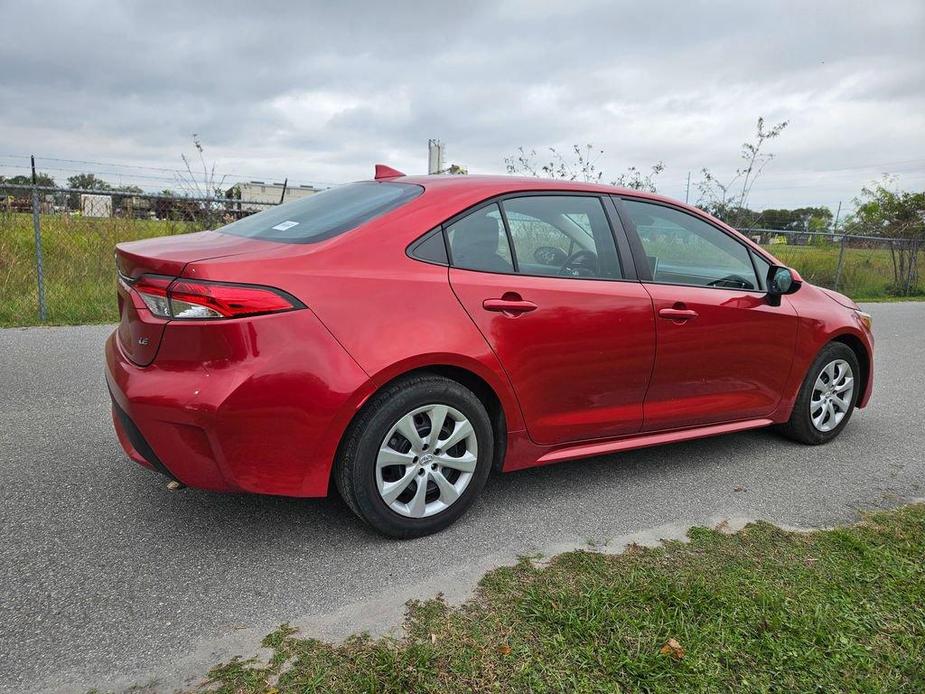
(562, 236)
(431, 248)
(479, 242)
(326, 214)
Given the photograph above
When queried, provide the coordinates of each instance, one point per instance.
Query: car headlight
(864, 318)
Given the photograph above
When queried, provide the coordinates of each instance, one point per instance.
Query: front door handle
(678, 314)
(509, 306)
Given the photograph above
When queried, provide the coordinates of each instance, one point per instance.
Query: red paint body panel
(822, 320)
(729, 362)
(241, 405)
(138, 331)
(654, 439)
(171, 253)
(260, 404)
(580, 362)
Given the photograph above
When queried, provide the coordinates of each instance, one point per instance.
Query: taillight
(185, 299)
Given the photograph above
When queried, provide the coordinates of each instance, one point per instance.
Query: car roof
(498, 185)
(482, 186)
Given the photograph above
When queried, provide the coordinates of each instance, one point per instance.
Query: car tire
(816, 396)
(440, 484)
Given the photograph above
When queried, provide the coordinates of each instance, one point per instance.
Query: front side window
(478, 242)
(682, 249)
(562, 236)
(326, 214)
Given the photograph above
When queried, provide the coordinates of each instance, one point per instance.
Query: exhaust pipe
(173, 486)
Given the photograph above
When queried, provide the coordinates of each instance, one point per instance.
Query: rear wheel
(416, 457)
(827, 397)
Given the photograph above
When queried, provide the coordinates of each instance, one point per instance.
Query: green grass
(78, 263)
(760, 610)
(867, 272)
(79, 270)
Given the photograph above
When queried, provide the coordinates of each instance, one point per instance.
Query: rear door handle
(679, 314)
(510, 307)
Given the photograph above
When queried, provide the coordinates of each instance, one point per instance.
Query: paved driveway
(108, 579)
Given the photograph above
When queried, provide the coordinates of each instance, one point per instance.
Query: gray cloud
(319, 92)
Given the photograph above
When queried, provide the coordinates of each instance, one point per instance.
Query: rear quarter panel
(402, 315)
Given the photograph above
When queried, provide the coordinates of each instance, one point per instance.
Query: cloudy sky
(318, 93)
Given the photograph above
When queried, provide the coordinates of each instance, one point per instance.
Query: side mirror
(781, 280)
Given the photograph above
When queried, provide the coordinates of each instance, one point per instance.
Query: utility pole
(434, 156)
(282, 196)
(687, 195)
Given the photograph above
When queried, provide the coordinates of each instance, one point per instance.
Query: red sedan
(400, 338)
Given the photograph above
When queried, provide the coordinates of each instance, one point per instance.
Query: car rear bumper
(255, 405)
(134, 443)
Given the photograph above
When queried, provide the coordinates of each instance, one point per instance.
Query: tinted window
(431, 248)
(562, 236)
(326, 214)
(683, 249)
(478, 242)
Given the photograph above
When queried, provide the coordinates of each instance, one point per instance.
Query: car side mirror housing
(782, 280)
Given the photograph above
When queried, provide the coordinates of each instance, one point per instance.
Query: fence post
(37, 231)
(912, 266)
(841, 260)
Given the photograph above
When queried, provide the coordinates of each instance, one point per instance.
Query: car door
(541, 278)
(724, 352)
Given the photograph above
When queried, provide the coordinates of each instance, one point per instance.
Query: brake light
(185, 299)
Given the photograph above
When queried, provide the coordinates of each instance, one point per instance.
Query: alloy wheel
(832, 395)
(426, 461)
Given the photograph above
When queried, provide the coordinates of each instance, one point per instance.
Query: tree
(883, 211)
(580, 164)
(800, 219)
(729, 200)
(87, 181)
(41, 179)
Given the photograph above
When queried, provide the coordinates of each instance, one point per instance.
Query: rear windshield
(326, 214)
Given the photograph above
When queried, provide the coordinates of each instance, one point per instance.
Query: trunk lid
(168, 255)
(140, 331)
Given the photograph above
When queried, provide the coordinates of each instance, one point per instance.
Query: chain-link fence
(56, 250)
(863, 267)
(56, 246)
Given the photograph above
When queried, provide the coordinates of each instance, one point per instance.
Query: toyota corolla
(400, 338)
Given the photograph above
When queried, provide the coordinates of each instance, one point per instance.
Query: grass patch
(78, 262)
(867, 272)
(760, 610)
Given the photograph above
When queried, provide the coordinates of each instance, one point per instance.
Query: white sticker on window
(282, 226)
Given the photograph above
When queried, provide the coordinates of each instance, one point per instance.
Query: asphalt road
(107, 579)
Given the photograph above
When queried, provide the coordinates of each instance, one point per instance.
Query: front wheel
(416, 457)
(827, 397)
